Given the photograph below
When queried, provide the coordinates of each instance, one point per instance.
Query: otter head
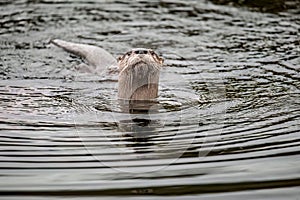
(139, 74)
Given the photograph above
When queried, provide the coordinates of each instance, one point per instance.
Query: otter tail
(95, 56)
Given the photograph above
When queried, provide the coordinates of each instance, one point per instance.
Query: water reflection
(138, 132)
(139, 127)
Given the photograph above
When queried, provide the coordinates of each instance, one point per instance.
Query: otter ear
(161, 60)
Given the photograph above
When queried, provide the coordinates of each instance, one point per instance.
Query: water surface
(225, 125)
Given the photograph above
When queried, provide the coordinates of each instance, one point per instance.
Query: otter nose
(140, 51)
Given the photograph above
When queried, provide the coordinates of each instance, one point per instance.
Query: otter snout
(140, 51)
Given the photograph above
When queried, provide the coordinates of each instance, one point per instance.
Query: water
(225, 125)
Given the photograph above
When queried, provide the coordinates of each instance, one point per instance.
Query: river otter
(138, 69)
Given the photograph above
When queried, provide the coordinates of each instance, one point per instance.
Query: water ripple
(226, 121)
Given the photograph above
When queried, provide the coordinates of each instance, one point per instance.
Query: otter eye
(128, 53)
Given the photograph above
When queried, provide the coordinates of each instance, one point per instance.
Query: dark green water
(226, 124)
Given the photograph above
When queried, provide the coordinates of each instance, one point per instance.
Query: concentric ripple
(225, 125)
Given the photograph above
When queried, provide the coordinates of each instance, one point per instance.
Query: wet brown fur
(139, 75)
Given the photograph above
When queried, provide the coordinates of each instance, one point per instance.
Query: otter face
(139, 74)
(139, 56)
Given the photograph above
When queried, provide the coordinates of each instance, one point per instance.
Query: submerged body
(138, 69)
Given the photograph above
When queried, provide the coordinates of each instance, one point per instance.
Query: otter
(138, 69)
